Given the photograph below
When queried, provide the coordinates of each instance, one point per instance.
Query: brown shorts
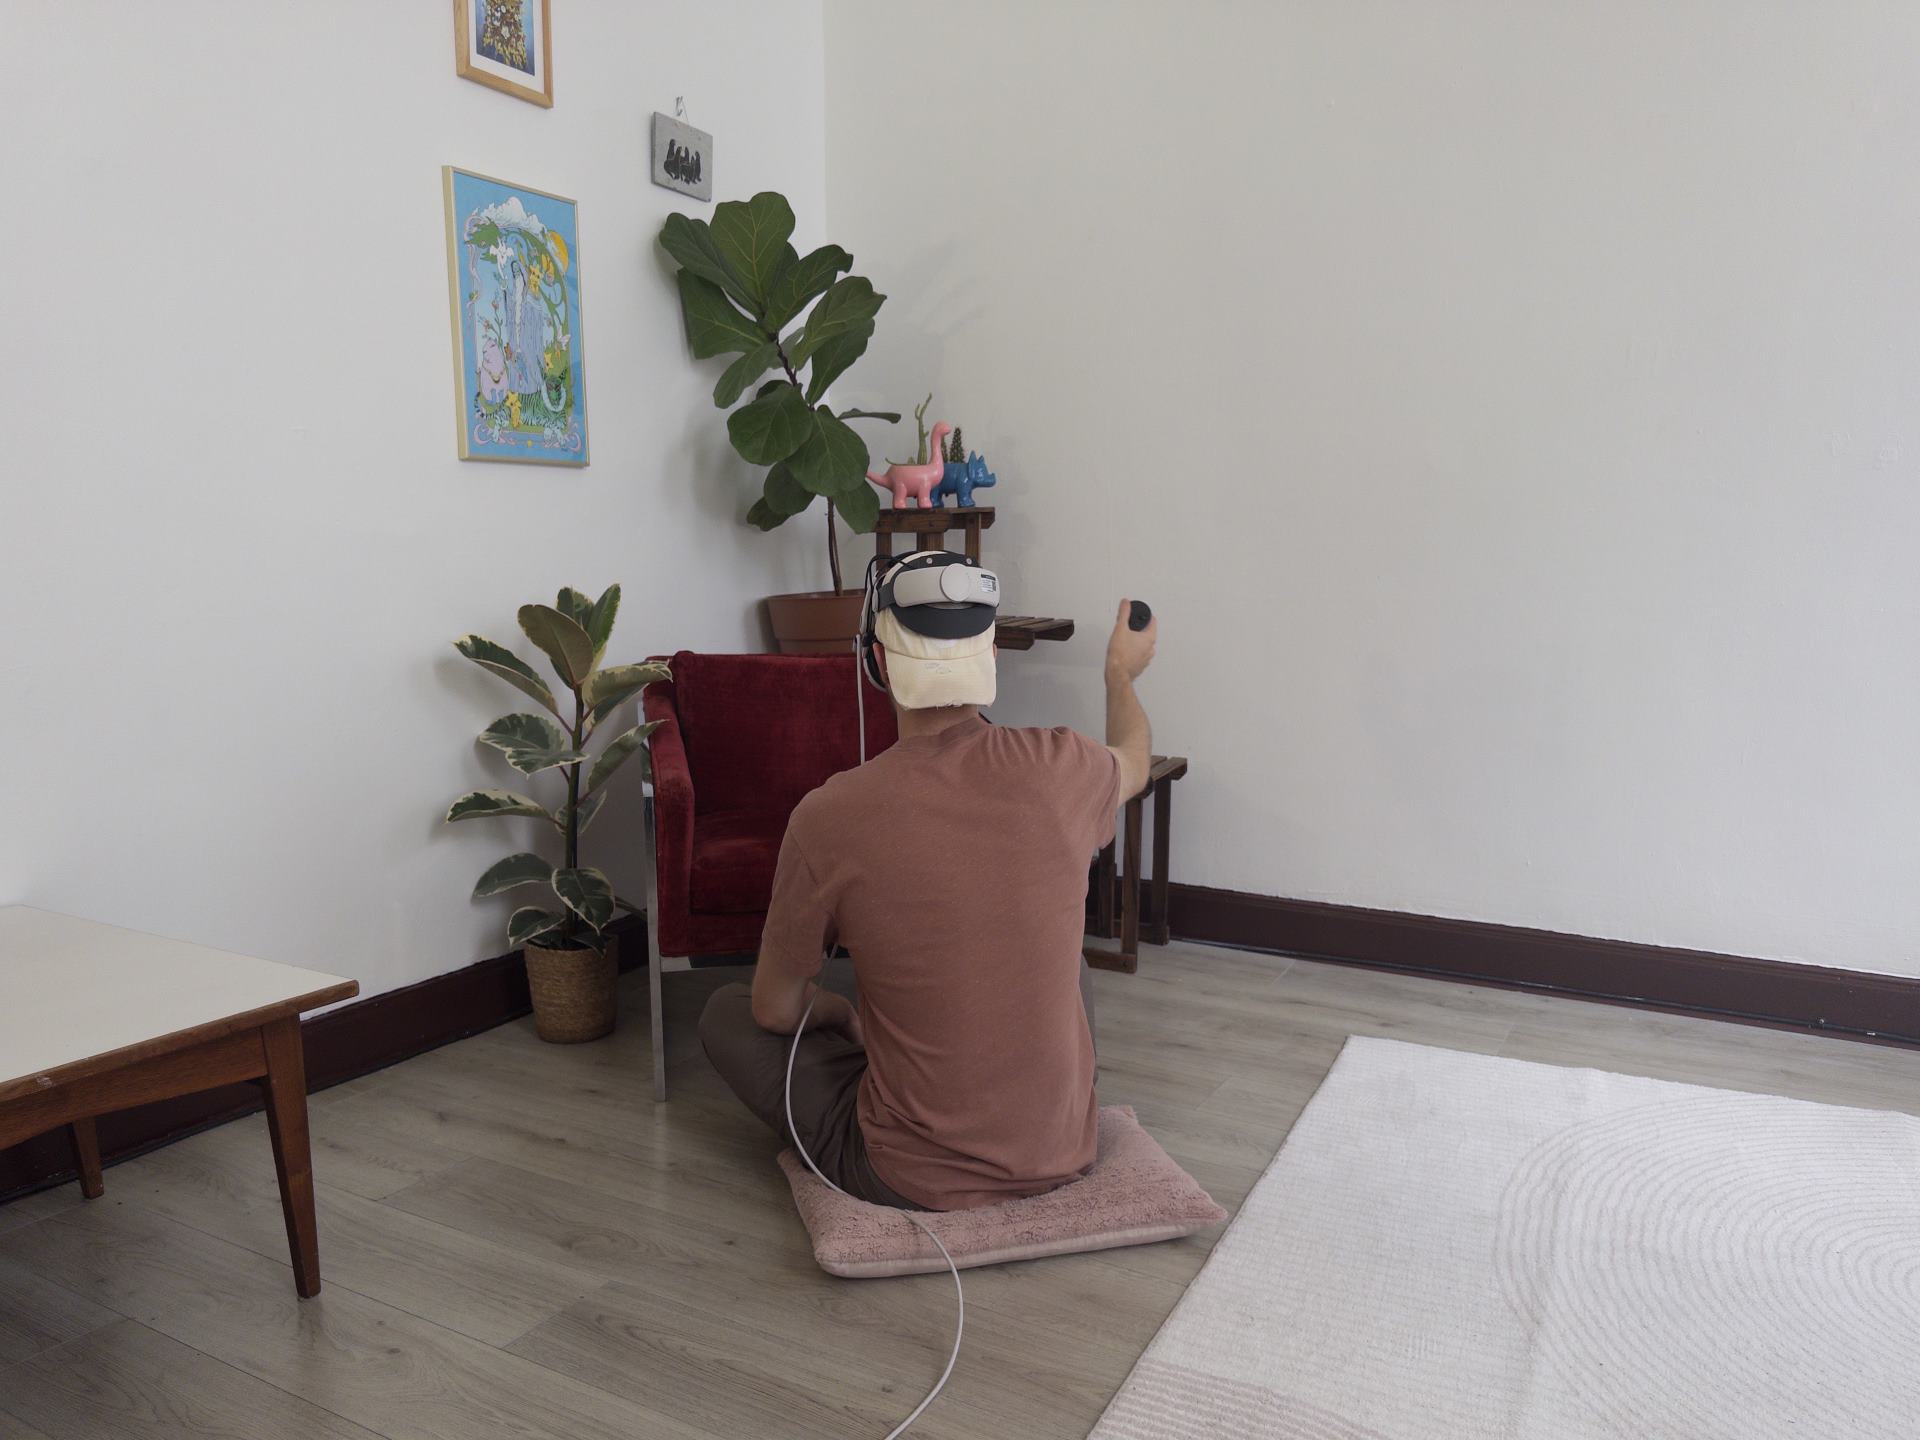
(826, 1086)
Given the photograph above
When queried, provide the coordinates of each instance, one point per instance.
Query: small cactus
(956, 449)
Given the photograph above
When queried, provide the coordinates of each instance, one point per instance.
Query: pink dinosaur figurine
(916, 481)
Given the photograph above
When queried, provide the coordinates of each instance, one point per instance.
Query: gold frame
(463, 46)
(447, 172)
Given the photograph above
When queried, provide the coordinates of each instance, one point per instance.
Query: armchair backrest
(762, 730)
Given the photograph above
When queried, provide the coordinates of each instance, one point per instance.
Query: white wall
(1512, 410)
(236, 541)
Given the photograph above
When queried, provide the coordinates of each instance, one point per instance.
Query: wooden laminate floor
(517, 1242)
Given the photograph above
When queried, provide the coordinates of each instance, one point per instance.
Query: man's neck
(912, 723)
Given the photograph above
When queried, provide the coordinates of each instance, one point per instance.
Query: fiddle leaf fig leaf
(714, 326)
(734, 381)
(564, 639)
(859, 508)
(588, 893)
(476, 804)
(771, 428)
(784, 493)
(835, 458)
(691, 243)
(599, 621)
(834, 359)
(763, 516)
(525, 868)
(751, 236)
(508, 666)
(619, 750)
(847, 308)
(530, 922)
(531, 743)
(798, 280)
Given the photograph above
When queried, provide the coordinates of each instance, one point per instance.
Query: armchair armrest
(673, 818)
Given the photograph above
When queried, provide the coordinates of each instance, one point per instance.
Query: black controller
(1138, 615)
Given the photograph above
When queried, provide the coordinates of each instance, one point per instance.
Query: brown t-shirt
(953, 867)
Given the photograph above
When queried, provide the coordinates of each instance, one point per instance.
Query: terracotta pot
(573, 995)
(817, 622)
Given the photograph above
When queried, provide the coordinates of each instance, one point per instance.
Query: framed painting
(513, 272)
(507, 44)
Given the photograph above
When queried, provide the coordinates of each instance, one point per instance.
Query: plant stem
(833, 552)
(573, 802)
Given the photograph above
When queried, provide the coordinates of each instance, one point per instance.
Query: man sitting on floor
(953, 868)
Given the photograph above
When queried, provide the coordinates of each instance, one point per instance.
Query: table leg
(1130, 886)
(1103, 922)
(286, 1086)
(86, 1153)
(1158, 932)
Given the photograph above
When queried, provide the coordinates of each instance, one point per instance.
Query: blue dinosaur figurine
(960, 481)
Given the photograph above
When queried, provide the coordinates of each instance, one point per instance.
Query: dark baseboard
(353, 1040)
(1852, 1003)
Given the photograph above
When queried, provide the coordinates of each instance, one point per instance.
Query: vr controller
(1138, 615)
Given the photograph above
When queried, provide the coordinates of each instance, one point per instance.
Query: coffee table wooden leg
(286, 1087)
(86, 1153)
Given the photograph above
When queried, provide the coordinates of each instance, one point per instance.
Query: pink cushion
(1134, 1195)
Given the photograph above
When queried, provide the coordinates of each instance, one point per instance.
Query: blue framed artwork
(513, 263)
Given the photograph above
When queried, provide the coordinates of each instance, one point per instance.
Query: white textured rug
(1451, 1247)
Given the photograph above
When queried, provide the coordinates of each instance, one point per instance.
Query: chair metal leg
(656, 1014)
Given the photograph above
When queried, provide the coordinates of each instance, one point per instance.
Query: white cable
(960, 1295)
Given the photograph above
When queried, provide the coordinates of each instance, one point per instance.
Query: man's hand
(832, 1011)
(1129, 652)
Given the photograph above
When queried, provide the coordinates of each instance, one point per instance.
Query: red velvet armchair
(741, 739)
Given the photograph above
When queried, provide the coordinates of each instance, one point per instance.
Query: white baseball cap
(925, 672)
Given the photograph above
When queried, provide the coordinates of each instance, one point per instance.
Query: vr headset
(935, 593)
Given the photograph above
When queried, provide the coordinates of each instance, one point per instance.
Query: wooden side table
(1142, 904)
(94, 1018)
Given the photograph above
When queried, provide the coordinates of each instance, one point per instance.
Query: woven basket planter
(573, 994)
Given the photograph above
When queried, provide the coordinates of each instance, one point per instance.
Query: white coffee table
(94, 1018)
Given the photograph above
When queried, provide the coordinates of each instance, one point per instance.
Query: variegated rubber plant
(573, 633)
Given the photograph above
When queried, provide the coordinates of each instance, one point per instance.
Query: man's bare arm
(1129, 736)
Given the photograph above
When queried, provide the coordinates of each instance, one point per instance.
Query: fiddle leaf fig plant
(741, 286)
(572, 633)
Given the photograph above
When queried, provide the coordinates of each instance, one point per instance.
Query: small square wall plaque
(682, 157)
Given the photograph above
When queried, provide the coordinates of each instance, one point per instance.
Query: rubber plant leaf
(586, 892)
(478, 804)
(618, 750)
(530, 922)
(599, 621)
(525, 868)
(508, 666)
(531, 743)
(564, 640)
